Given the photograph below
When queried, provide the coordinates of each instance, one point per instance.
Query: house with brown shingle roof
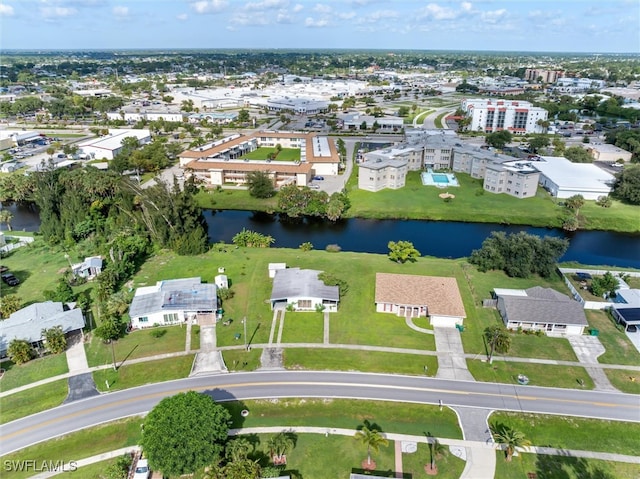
(413, 296)
(221, 162)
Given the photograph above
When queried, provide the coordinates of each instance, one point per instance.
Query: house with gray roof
(303, 291)
(541, 309)
(173, 301)
(27, 323)
(89, 268)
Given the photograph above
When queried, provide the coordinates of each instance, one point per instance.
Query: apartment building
(546, 76)
(515, 178)
(518, 117)
(378, 174)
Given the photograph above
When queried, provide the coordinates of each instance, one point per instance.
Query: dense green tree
(577, 154)
(627, 185)
(6, 217)
(607, 284)
(63, 292)
(185, 432)
(627, 140)
(574, 203)
(279, 445)
(402, 251)
(331, 280)
(519, 254)
(20, 351)
(260, 184)
(243, 117)
(118, 469)
(252, 239)
(238, 449)
(604, 201)
(9, 304)
(56, 339)
(498, 139)
(537, 142)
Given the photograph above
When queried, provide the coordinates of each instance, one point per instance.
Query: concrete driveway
(587, 349)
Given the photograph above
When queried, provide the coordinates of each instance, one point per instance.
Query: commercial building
(563, 179)
(108, 146)
(354, 121)
(606, 152)
(518, 117)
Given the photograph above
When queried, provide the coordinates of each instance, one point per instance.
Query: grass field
(234, 200)
(562, 467)
(627, 381)
(132, 375)
(262, 153)
(369, 361)
(136, 344)
(24, 403)
(545, 375)
(573, 432)
(20, 374)
(619, 349)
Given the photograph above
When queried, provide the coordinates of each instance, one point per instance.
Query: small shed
(221, 281)
(273, 267)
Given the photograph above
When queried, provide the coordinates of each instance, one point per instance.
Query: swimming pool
(441, 180)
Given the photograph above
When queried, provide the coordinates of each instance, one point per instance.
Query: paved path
(76, 356)
(587, 349)
(80, 382)
(409, 322)
(451, 357)
(209, 359)
(325, 332)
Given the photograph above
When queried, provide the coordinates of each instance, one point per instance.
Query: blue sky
(515, 25)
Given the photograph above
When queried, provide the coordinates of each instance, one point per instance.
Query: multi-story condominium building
(378, 174)
(546, 76)
(518, 117)
(411, 154)
(515, 178)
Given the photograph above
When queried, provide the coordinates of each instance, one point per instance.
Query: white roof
(566, 174)
(277, 265)
(509, 292)
(114, 140)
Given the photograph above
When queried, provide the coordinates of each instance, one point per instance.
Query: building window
(304, 304)
(170, 317)
(143, 319)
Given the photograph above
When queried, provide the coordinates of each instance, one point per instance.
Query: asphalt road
(259, 385)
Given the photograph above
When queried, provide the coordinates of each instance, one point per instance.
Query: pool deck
(428, 179)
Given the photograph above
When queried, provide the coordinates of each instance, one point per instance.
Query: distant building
(546, 76)
(518, 117)
(107, 147)
(606, 152)
(354, 121)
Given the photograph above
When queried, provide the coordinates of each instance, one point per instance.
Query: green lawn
(562, 467)
(369, 361)
(619, 349)
(472, 204)
(301, 328)
(546, 375)
(404, 418)
(92, 471)
(20, 374)
(132, 375)
(448, 467)
(224, 199)
(627, 381)
(242, 360)
(33, 400)
(573, 432)
(439, 119)
(137, 344)
(81, 444)
(262, 153)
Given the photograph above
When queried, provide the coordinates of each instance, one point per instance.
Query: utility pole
(244, 322)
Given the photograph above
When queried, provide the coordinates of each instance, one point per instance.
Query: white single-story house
(414, 296)
(303, 291)
(89, 268)
(173, 301)
(221, 281)
(29, 322)
(543, 309)
(563, 179)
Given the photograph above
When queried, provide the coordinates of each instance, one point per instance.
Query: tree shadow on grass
(567, 467)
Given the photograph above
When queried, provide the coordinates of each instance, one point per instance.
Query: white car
(142, 470)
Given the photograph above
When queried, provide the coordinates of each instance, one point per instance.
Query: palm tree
(509, 438)
(238, 449)
(499, 340)
(278, 446)
(6, 217)
(372, 438)
(436, 451)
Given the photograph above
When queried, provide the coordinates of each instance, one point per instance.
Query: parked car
(3, 269)
(318, 178)
(142, 470)
(10, 279)
(314, 187)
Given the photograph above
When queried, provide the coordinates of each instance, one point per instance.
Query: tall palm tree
(509, 438)
(238, 449)
(436, 450)
(499, 340)
(372, 438)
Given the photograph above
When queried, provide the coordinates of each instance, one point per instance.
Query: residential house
(414, 296)
(303, 291)
(173, 302)
(626, 308)
(541, 309)
(29, 322)
(89, 268)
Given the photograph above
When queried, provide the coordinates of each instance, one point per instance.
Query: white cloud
(378, 15)
(297, 8)
(319, 23)
(346, 15)
(57, 12)
(6, 10)
(322, 8)
(209, 6)
(436, 12)
(494, 16)
(182, 17)
(283, 17)
(120, 11)
(466, 6)
(267, 5)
